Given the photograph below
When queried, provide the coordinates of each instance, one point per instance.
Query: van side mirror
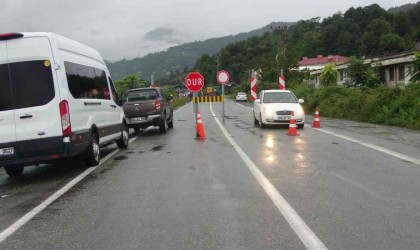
(301, 101)
(123, 98)
(257, 101)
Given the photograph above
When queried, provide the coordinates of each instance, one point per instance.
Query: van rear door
(7, 121)
(35, 97)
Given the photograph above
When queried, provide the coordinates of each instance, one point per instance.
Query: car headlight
(299, 111)
(269, 111)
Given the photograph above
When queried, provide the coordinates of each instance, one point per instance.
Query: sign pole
(195, 94)
(223, 78)
(223, 96)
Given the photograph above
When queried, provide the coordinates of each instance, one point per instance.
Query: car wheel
(123, 141)
(262, 125)
(93, 153)
(255, 119)
(301, 125)
(163, 125)
(171, 123)
(14, 170)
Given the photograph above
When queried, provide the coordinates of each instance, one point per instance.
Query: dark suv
(145, 107)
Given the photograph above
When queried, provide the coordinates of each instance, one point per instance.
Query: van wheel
(163, 125)
(123, 141)
(301, 125)
(14, 170)
(93, 153)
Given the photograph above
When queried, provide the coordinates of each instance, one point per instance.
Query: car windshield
(142, 95)
(279, 97)
(241, 93)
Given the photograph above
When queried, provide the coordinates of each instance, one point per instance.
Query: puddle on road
(169, 152)
(157, 148)
(335, 143)
(141, 152)
(130, 152)
(120, 158)
(181, 120)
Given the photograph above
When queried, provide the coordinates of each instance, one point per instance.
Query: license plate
(284, 117)
(139, 119)
(7, 151)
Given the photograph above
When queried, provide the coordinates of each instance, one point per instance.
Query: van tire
(93, 153)
(163, 125)
(122, 143)
(14, 170)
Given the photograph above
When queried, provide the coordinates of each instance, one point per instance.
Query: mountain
(179, 57)
(404, 7)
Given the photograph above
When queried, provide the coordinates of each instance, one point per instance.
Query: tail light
(65, 118)
(157, 105)
(8, 36)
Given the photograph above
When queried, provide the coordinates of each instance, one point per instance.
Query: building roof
(321, 60)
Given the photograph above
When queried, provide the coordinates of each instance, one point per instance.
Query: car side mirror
(257, 101)
(301, 101)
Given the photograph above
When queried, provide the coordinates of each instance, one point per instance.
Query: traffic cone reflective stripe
(200, 129)
(317, 122)
(292, 127)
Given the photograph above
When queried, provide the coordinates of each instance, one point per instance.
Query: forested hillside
(364, 31)
(179, 58)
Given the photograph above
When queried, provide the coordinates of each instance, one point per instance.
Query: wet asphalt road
(169, 191)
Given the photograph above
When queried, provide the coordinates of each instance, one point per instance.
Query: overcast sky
(133, 28)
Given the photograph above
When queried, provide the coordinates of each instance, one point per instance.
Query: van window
(32, 83)
(5, 90)
(86, 82)
(114, 92)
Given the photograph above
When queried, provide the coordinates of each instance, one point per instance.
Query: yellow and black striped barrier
(208, 99)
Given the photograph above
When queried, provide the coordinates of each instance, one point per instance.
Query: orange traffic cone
(292, 127)
(317, 122)
(200, 128)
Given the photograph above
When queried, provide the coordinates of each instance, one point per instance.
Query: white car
(241, 96)
(57, 100)
(276, 107)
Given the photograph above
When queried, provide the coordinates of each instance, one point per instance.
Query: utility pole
(281, 31)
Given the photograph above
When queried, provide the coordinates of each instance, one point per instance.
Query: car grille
(284, 112)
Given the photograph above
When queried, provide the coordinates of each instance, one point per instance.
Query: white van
(57, 100)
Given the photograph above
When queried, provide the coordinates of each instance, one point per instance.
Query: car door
(7, 121)
(35, 97)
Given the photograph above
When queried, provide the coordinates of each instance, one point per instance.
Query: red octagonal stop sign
(194, 81)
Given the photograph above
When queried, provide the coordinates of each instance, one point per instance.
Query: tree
(391, 43)
(414, 69)
(360, 74)
(130, 82)
(329, 75)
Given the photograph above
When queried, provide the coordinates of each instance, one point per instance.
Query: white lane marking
(372, 146)
(305, 234)
(369, 145)
(31, 214)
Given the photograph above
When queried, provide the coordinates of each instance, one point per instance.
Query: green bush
(390, 106)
